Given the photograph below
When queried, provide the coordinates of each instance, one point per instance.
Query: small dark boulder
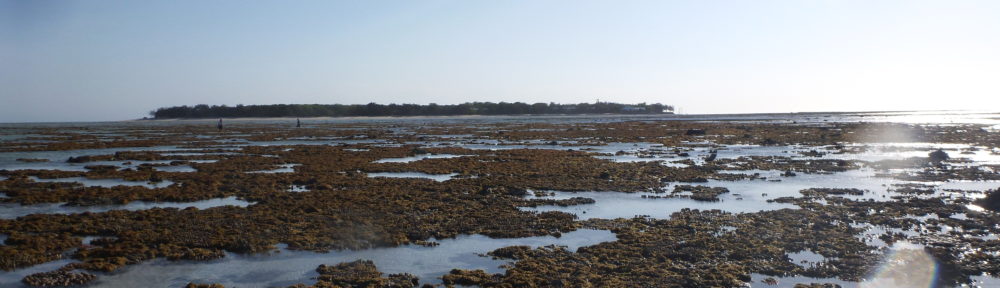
(711, 156)
(605, 175)
(695, 132)
(938, 156)
(991, 201)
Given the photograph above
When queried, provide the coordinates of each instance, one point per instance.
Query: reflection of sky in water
(11, 210)
(435, 177)
(292, 267)
(611, 205)
(105, 182)
(805, 258)
(418, 158)
(283, 168)
(757, 280)
(57, 159)
(744, 195)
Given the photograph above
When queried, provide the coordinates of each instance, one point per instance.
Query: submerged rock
(361, 273)
(701, 193)
(823, 192)
(471, 278)
(62, 277)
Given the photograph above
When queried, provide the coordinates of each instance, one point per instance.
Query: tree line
(373, 109)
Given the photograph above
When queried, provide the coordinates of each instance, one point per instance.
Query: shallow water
(283, 168)
(897, 151)
(790, 186)
(308, 142)
(105, 182)
(805, 258)
(757, 280)
(292, 267)
(13, 278)
(176, 168)
(608, 148)
(744, 195)
(64, 166)
(57, 159)
(985, 281)
(435, 177)
(611, 205)
(633, 158)
(418, 158)
(11, 210)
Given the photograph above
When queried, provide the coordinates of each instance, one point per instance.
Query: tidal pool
(283, 168)
(286, 267)
(418, 158)
(744, 195)
(12, 210)
(435, 177)
(57, 159)
(757, 280)
(610, 205)
(105, 182)
(805, 258)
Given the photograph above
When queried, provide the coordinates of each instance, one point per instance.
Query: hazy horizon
(117, 60)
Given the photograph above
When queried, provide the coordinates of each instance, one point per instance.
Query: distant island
(373, 109)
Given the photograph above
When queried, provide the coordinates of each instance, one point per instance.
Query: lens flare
(907, 265)
(882, 133)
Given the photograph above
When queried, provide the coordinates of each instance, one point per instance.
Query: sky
(100, 60)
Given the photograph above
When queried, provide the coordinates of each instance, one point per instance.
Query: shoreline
(473, 116)
(719, 116)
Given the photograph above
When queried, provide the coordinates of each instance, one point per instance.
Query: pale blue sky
(116, 60)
